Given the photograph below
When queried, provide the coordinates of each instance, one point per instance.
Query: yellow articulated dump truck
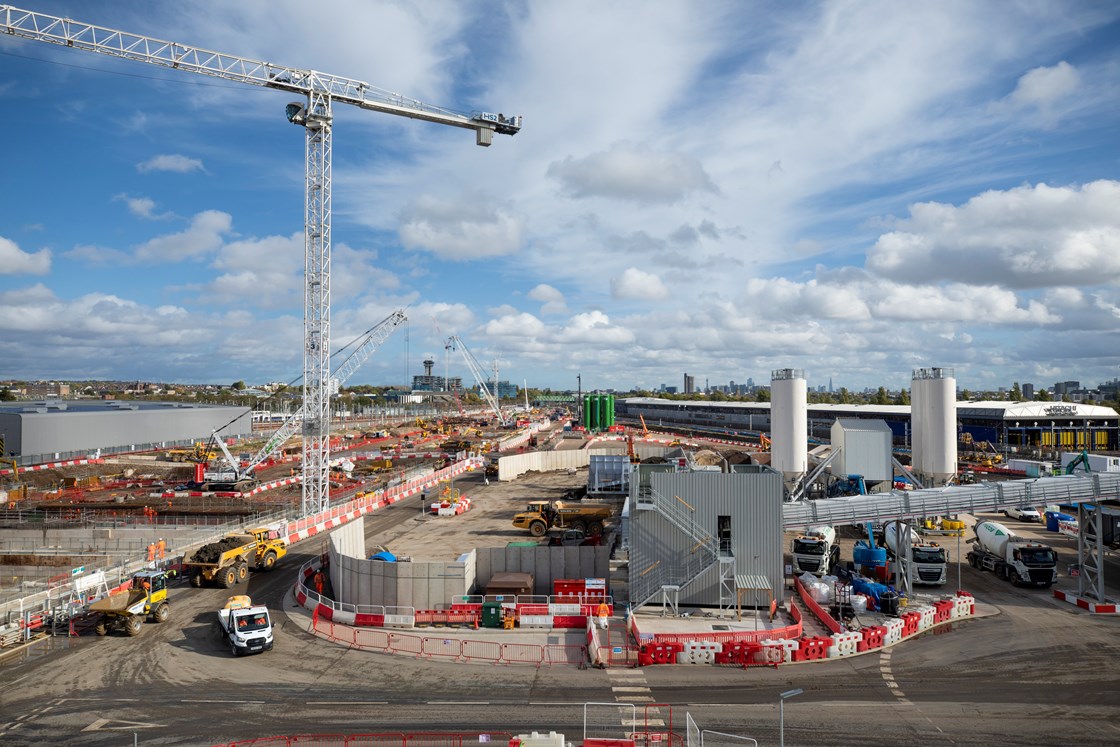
(540, 516)
(229, 560)
(126, 610)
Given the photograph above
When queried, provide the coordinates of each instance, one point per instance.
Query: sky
(855, 189)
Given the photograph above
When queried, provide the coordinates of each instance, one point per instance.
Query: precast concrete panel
(789, 427)
(545, 563)
(515, 465)
(865, 449)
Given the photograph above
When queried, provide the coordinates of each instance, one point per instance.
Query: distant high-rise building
(1028, 391)
(689, 384)
(1066, 387)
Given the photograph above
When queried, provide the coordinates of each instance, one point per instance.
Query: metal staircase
(667, 578)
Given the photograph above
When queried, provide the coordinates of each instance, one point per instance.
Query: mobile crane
(320, 91)
(476, 369)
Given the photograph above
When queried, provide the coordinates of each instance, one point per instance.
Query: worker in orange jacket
(604, 612)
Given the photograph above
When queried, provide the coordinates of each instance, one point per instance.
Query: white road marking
(103, 723)
(631, 689)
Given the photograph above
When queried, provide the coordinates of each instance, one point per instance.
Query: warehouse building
(1048, 427)
(54, 429)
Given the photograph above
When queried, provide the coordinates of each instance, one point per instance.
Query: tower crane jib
(314, 114)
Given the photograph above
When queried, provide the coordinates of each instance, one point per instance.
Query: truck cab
(247, 627)
(815, 551)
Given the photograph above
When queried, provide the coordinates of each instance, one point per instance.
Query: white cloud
(552, 300)
(629, 171)
(96, 255)
(635, 284)
(15, 261)
(143, 207)
(461, 230)
(1027, 237)
(594, 328)
(1044, 86)
(201, 238)
(174, 163)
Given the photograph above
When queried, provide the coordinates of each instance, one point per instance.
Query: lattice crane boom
(476, 369)
(374, 339)
(315, 115)
(67, 32)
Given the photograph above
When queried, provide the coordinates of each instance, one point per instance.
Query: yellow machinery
(229, 560)
(126, 609)
(540, 516)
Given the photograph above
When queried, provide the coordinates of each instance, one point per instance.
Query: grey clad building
(54, 429)
(705, 538)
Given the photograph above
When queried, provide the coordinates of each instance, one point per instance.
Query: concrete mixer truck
(1013, 558)
(925, 563)
(815, 551)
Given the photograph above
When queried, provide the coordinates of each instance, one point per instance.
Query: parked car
(1023, 513)
(573, 537)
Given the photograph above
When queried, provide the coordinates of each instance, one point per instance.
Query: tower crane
(320, 91)
(373, 339)
(476, 369)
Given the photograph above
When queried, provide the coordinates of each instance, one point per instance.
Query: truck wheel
(101, 628)
(268, 562)
(579, 526)
(196, 580)
(242, 571)
(595, 529)
(537, 528)
(234, 650)
(227, 578)
(134, 624)
(161, 612)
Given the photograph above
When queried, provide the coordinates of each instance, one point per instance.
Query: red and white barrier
(1090, 605)
(843, 644)
(53, 465)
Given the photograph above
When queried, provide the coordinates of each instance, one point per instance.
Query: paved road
(1038, 673)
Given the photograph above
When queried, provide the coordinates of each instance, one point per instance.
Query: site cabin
(510, 584)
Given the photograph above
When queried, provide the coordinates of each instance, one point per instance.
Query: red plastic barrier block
(942, 611)
(369, 621)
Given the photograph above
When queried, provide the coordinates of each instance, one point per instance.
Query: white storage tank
(789, 424)
(917, 438)
(937, 459)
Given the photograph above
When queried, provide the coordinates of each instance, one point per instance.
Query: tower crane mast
(314, 114)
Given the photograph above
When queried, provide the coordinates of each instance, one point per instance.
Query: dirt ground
(487, 524)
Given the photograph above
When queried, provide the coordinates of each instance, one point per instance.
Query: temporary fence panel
(522, 653)
(442, 647)
(482, 651)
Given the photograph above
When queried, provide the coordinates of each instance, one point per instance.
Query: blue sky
(857, 189)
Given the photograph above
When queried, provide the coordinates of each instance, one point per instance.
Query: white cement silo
(789, 424)
(917, 419)
(937, 458)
